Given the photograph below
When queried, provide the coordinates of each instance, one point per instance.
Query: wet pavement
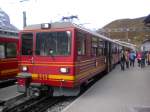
(118, 91)
(8, 93)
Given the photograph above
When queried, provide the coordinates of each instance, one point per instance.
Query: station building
(145, 45)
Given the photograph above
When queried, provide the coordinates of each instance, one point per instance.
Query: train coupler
(23, 82)
(38, 90)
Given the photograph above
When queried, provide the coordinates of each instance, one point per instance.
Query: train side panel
(8, 60)
(90, 59)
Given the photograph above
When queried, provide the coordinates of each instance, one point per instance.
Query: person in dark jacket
(127, 58)
(143, 56)
(122, 60)
(139, 58)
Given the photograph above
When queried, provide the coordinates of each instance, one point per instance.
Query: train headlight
(24, 68)
(64, 70)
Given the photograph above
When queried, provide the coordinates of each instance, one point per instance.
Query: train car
(60, 58)
(8, 53)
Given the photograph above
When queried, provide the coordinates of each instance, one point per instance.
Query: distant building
(147, 20)
(146, 45)
(5, 22)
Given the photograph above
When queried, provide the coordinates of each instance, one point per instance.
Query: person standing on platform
(122, 60)
(127, 58)
(143, 56)
(139, 58)
(148, 57)
(132, 57)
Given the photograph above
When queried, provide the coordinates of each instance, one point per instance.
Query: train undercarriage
(24, 85)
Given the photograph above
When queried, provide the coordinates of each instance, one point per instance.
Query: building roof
(5, 22)
(146, 40)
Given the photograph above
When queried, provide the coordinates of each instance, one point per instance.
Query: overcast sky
(92, 13)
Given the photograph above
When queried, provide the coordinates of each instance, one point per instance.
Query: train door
(108, 56)
(26, 52)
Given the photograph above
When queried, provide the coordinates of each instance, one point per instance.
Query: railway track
(38, 104)
(25, 104)
(42, 105)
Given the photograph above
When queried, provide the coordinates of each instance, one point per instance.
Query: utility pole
(24, 15)
(24, 19)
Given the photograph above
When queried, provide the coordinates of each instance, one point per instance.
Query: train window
(2, 50)
(114, 49)
(27, 44)
(80, 43)
(100, 51)
(11, 49)
(94, 46)
(53, 43)
(101, 47)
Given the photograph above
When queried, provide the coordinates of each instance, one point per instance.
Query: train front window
(53, 43)
(27, 44)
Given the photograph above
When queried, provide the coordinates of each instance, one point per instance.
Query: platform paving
(8, 93)
(118, 91)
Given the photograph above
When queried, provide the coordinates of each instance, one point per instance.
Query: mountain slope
(130, 30)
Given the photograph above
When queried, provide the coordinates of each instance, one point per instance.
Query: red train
(8, 53)
(60, 58)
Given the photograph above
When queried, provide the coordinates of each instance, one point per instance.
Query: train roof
(8, 33)
(61, 25)
(126, 44)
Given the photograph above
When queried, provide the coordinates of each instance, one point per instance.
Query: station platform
(8, 93)
(118, 91)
